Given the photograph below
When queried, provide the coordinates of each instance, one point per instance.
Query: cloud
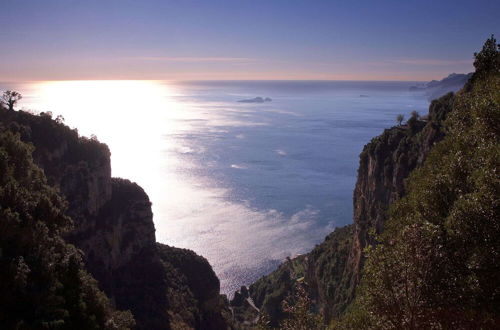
(430, 61)
(339, 64)
(417, 62)
(196, 59)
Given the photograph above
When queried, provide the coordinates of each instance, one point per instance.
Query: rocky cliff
(113, 226)
(384, 165)
(332, 270)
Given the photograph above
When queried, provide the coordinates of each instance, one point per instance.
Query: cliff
(384, 165)
(435, 263)
(331, 271)
(113, 226)
(43, 280)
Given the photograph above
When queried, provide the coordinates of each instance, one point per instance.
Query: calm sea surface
(243, 184)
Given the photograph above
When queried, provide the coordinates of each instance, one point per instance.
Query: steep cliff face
(384, 165)
(435, 264)
(113, 226)
(332, 270)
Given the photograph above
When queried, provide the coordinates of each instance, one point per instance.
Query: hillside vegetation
(436, 265)
(425, 243)
(77, 244)
(43, 281)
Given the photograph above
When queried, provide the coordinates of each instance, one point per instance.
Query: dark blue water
(290, 164)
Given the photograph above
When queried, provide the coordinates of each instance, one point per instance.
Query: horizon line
(210, 80)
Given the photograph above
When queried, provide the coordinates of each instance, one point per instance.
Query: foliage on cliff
(270, 291)
(164, 287)
(192, 291)
(42, 278)
(436, 264)
(318, 274)
(469, 154)
(332, 269)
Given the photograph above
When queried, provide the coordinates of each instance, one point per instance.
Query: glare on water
(133, 118)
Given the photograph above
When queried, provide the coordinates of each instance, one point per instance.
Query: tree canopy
(42, 278)
(436, 264)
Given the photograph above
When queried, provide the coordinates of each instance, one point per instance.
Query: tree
(400, 119)
(10, 98)
(300, 314)
(42, 278)
(415, 114)
(435, 266)
(488, 60)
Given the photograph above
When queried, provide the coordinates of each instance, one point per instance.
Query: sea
(244, 184)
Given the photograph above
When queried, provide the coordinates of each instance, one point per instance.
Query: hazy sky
(237, 39)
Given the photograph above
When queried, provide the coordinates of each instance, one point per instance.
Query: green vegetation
(270, 291)
(42, 279)
(316, 277)
(436, 263)
(164, 287)
(431, 260)
(300, 314)
(299, 310)
(192, 291)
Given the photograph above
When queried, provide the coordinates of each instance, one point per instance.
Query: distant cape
(437, 88)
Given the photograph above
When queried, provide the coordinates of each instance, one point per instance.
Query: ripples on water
(243, 184)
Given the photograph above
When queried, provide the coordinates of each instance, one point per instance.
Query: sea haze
(243, 184)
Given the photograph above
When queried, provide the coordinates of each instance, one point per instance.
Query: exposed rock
(384, 165)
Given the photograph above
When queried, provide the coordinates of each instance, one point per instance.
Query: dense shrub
(42, 279)
(437, 262)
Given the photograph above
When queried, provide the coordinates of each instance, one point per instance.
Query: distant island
(257, 99)
(437, 88)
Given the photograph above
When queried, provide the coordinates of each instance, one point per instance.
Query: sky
(416, 40)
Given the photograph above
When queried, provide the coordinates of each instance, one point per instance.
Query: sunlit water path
(243, 184)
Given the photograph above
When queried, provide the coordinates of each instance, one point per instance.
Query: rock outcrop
(113, 226)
